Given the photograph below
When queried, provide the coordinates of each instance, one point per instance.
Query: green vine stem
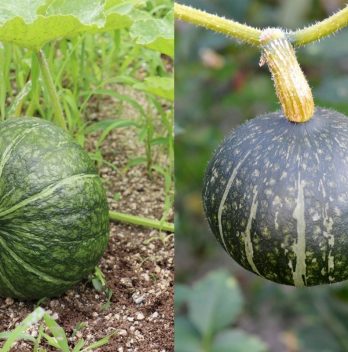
(218, 24)
(52, 91)
(251, 35)
(137, 220)
(321, 29)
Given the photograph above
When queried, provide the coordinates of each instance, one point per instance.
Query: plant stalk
(251, 35)
(292, 88)
(137, 220)
(52, 91)
(321, 29)
(222, 25)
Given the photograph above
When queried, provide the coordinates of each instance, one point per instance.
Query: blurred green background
(219, 85)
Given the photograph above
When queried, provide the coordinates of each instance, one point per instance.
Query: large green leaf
(187, 338)
(316, 337)
(182, 293)
(87, 11)
(118, 14)
(160, 86)
(155, 34)
(31, 24)
(214, 302)
(237, 341)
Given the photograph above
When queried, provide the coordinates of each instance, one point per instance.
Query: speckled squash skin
(53, 211)
(276, 197)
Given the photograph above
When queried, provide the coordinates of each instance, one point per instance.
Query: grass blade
(57, 332)
(16, 334)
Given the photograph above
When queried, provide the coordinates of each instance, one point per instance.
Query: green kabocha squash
(276, 197)
(53, 210)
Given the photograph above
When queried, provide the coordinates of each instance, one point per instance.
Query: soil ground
(138, 265)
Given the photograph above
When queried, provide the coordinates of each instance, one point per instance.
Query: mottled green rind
(285, 213)
(54, 221)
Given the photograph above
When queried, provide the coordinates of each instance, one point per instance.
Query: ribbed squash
(276, 197)
(53, 210)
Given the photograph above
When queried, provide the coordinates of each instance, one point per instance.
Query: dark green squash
(53, 211)
(276, 197)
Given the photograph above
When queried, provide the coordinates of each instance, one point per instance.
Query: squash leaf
(160, 86)
(155, 34)
(182, 293)
(238, 341)
(214, 302)
(187, 338)
(32, 24)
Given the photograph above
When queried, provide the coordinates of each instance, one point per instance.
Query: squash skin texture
(276, 197)
(54, 223)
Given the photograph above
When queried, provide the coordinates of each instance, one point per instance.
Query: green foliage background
(219, 85)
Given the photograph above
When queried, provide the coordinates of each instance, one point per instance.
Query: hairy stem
(52, 91)
(231, 28)
(251, 35)
(137, 220)
(321, 29)
(291, 85)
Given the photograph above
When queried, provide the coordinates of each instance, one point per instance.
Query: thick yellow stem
(291, 85)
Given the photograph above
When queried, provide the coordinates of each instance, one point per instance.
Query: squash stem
(321, 29)
(293, 91)
(138, 220)
(218, 24)
(52, 91)
(251, 35)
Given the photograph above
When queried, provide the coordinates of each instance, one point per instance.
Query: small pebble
(9, 301)
(138, 298)
(140, 316)
(122, 332)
